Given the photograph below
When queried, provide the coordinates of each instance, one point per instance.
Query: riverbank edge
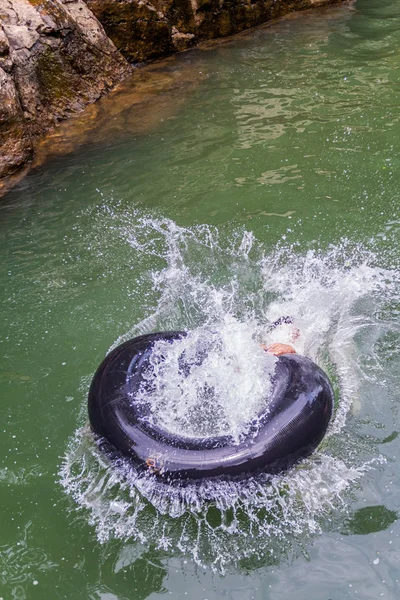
(143, 30)
(36, 132)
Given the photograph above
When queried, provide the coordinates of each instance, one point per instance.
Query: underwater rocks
(54, 59)
(145, 29)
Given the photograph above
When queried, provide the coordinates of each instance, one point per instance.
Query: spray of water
(196, 385)
(226, 292)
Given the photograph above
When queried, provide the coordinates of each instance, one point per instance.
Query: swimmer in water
(278, 348)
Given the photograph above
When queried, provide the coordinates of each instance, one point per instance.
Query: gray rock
(54, 59)
(15, 142)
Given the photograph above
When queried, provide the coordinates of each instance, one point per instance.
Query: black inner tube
(300, 406)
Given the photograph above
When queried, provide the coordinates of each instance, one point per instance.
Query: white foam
(226, 292)
(226, 381)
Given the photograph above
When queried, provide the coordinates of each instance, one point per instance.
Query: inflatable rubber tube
(300, 406)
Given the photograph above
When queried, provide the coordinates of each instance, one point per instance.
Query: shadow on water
(369, 520)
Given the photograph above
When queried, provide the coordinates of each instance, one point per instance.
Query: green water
(290, 134)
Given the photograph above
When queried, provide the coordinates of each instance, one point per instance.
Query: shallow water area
(270, 188)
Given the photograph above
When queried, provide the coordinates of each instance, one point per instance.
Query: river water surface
(217, 191)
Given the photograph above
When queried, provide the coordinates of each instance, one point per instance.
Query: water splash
(196, 385)
(227, 291)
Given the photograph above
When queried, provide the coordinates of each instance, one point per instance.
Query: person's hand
(277, 349)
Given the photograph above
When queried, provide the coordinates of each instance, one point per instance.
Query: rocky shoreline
(54, 59)
(147, 29)
(57, 56)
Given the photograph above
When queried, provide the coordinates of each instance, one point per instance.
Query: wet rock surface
(54, 59)
(145, 29)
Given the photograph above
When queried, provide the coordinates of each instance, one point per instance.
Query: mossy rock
(180, 14)
(52, 78)
(137, 31)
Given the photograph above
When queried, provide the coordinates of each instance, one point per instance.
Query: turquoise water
(267, 183)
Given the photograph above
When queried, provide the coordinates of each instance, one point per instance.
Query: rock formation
(54, 59)
(144, 29)
(55, 56)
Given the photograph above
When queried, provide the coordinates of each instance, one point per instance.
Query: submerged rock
(144, 29)
(55, 58)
